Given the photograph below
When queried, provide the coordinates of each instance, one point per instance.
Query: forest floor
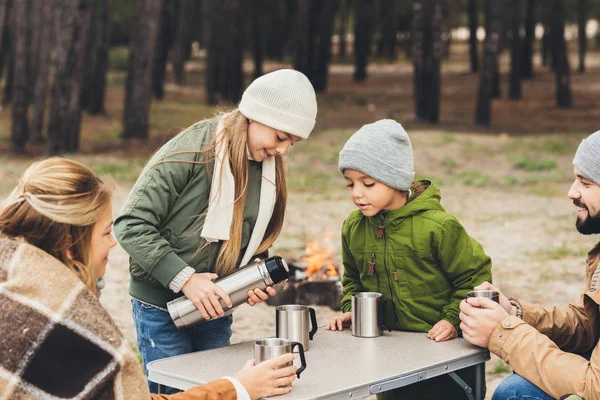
(507, 184)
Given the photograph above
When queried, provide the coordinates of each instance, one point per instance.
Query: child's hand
(442, 331)
(258, 296)
(337, 323)
(203, 292)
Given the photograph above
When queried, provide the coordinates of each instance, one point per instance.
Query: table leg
(479, 380)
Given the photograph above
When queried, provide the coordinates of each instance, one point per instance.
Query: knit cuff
(240, 390)
(181, 278)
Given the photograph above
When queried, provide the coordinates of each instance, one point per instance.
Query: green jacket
(161, 221)
(424, 261)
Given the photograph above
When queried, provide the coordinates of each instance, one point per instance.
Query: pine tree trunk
(138, 95)
(582, 38)
(303, 51)
(514, 92)
(483, 112)
(257, 38)
(10, 54)
(164, 41)
(473, 25)
(97, 59)
(64, 125)
(19, 130)
(364, 18)
(43, 41)
(325, 21)
(4, 27)
(342, 29)
(527, 54)
(562, 70)
(428, 25)
(182, 45)
(388, 25)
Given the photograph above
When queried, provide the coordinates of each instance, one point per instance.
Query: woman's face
(265, 142)
(102, 241)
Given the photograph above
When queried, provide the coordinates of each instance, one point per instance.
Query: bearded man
(553, 351)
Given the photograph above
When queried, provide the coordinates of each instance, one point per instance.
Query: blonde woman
(56, 340)
(210, 200)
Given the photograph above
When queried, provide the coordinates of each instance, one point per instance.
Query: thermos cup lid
(277, 268)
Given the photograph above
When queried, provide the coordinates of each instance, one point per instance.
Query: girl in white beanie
(210, 200)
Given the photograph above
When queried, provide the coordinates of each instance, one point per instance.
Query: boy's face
(371, 196)
(585, 194)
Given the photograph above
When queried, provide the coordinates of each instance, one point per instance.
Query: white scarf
(222, 196)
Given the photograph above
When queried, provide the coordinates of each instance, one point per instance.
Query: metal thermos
(256, 275)
(293, 322)
(368, 309)
(267, 349)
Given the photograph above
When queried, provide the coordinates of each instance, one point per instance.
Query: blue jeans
(158, 337)
(515, 387)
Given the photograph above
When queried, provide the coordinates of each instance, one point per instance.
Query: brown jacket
(542, 346)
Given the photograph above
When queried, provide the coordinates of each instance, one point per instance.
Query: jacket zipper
(392, 293)
(371, 265)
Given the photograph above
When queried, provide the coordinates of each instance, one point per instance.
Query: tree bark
(514, 92)
(182, 45)
(256, 10)
(138, 95)
(428, 25)
(94, 85)
(388, 26)
(4, 33)
(364, 18)
(564, 98)
(325, 21)
(43, 43)
(19, 130)
(581, 34)
(164, 42)
(64, 124)
(224, 78)
(343, 16)
(473, 25)
(303, 50)
(483, 112)
(9, 51)
(527, 55)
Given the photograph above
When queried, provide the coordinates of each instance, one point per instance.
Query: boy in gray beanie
(402, 244)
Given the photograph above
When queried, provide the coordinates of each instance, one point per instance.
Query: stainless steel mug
(267, 349)
(257, 274)
(368, 310)
(490, 294)
(292, 323)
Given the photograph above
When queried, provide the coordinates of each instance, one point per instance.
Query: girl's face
(265, 142)
(371, 196)
(102, 241)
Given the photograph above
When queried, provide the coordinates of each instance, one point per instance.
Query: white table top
(339, 365)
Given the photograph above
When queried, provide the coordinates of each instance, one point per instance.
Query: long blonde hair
(54, 207)
(235, 136)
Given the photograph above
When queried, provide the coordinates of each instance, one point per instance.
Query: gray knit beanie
(587, 157)
(284, 100)
(381, 150)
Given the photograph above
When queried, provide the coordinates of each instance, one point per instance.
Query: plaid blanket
(56, 340)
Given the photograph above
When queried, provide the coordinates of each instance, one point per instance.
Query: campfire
(314, 279)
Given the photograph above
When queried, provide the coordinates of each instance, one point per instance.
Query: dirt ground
(507, 184)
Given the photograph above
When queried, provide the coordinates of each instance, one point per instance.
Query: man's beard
(588, 226)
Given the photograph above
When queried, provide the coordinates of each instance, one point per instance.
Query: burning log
(314, 280)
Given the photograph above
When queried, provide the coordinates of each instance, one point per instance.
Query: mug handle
(381, 311)
(313, 322)
(302, 359)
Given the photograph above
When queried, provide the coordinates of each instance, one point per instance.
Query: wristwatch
(518, 307)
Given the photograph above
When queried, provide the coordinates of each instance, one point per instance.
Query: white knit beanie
(284, 100)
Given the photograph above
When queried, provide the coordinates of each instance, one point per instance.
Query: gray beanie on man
(587, 157)
(381, 150)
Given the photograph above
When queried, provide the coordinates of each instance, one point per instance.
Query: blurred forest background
(98, 75)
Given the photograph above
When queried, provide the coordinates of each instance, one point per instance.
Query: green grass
(499, 367)
(530, 165)
(559, 253)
